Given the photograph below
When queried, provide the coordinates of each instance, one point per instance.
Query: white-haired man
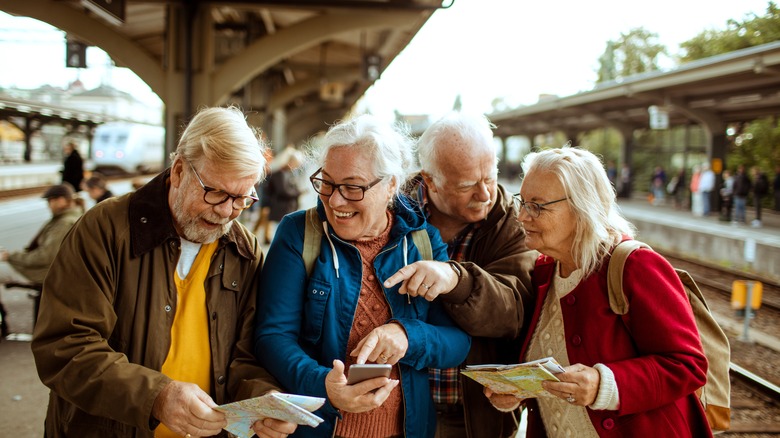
(485, 286)
(147, 312)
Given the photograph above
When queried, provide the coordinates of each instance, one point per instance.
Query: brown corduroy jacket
(108, 304)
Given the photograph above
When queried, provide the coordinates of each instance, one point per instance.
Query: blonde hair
(599, 223)
(223, 135)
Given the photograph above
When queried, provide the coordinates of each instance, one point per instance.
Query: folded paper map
(287, 407)
(522, 380)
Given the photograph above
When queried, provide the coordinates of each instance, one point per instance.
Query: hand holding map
(286, 407)
(522, 380)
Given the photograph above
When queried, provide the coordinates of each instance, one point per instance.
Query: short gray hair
(474, 129)
(600, 225)
(389, 146)
(222, 135)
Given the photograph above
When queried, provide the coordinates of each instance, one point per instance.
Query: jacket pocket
(316, 301)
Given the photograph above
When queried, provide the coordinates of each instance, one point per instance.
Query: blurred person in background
(263, 223)
(697, 203)
(676, 189)
(658, 185)
(283, 189)
(743, 186)
(706, 186)
(321, 322)
(97, 188)
(147, 312)
(485, 285)
(30, 265)
(624, 183)
(726, 196)
(73, 166)
(625, 375)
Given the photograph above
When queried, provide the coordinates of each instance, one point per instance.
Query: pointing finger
(403, 274)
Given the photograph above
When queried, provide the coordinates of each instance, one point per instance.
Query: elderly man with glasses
(485, 285)
(146, 317)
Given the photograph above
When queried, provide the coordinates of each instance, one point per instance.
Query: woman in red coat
(634, 375)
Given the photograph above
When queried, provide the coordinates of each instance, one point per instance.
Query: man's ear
(177, 172)
(428, 181)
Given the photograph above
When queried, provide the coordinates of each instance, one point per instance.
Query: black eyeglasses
(534, 209)
(214, 196)
(350, 192)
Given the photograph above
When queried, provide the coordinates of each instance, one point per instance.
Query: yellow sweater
(189, 358)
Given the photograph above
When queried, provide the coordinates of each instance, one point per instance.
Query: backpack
(312, 241)
(715, 395)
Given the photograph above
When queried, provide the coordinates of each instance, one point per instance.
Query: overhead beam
(266, 52)
(94, 32)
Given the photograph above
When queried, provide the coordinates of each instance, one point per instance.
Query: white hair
(389, 147)
(472, 129)
(599, 223)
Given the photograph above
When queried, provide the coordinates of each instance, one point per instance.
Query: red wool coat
(654, 350)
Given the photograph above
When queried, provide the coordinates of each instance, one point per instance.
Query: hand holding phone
(361, 372)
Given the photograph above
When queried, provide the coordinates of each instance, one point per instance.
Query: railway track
(755, 405)
(755, 394)
(720, 279)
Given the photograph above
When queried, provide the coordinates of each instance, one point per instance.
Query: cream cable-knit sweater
(560, 418)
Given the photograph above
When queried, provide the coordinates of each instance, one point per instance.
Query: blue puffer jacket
(303, 324)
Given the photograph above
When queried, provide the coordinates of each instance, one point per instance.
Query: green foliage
(758, 145)
(634, 52)
(753, 30)
(603, 142)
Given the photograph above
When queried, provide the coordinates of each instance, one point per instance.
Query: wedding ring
(383, 358)
(570, 399)
(426, 286)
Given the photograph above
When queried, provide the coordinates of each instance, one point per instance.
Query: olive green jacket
(34, 261)
(107, 307)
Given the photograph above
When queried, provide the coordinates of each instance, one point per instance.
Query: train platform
(708, 239)
(737, 246)
(23, 398)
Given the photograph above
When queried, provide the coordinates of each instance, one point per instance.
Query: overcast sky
(518, 49)
(480, 49)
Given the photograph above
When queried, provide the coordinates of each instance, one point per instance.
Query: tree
(753, 30)
(757, 145)
(634, 52)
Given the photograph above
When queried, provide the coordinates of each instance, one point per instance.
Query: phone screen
(358, 373)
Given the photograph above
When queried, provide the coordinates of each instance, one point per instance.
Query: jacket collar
(151, 221)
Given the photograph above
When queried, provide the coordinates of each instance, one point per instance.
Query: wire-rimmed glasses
(534, 209)
(214, 196)
(350, 192)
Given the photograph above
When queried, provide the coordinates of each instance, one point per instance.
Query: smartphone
(359, 373)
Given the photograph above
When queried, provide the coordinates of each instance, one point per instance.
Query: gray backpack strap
(312, 239)
(423, 243)
(617, 299)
